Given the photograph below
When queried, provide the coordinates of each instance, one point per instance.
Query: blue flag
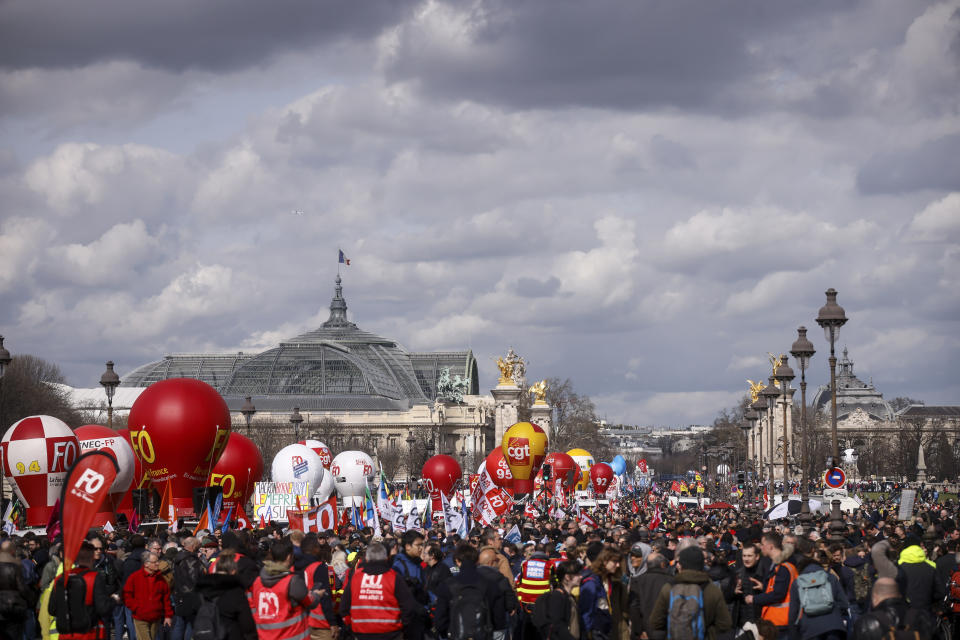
(226, 521)
(513, 536)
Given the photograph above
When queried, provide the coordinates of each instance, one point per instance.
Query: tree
(29, 387)
(574, 420)
(902, 402)
(390, 458)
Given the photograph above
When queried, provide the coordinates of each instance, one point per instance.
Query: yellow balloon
(524, 447)
(584, 460)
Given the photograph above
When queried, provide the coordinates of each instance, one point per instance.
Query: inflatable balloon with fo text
(239, 468)
(353, 472)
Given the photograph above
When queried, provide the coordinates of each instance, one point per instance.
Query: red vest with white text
(316, 619)
(373, 602)
(98, 630)
(534, 579)
(277, 618)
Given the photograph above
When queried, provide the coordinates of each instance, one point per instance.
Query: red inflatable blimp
(37, 453)
(95, 437)
(564, 467)
(524, 446)
(239, 468)
(178, 428)
(499, 470)
(140, 479)
(601, 477)
(440, 474)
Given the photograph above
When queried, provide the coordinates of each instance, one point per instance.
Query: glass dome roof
(337, 366)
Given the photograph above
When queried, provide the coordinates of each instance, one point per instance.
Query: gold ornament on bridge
(755, 389)
(512, 368)
(539, 391)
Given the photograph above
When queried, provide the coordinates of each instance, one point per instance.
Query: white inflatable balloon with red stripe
(95, 437)
(37, 453)
(322, 450)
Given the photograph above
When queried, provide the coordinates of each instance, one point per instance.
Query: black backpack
(73, 612)
(469, 612)
(207, 625)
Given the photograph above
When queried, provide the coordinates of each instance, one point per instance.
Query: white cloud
(938, 222)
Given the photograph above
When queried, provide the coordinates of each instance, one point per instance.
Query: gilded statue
(775, 361)
(512, 368)
(755, 389)
(539, 391)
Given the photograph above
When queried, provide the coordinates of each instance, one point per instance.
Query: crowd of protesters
(698, 575)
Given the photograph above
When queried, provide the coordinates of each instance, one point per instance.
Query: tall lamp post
(411, 443)
(750, 418)
(247, 410)
(770, 394)
(802, 350)
(784, 374)
(296, 419)
(831, 318)
(110, 381)
(4, 357)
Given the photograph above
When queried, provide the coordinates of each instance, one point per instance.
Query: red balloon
(440, 474)
(140, 479)
(601, 476)
(564, 467)
(499, 470)
(240, 466)
(178, 428)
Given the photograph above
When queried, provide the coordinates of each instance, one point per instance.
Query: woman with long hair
(603, 596)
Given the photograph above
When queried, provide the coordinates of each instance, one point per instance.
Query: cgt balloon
(524, 447)
(297, 463)
(440, 474)
(95, 437)
(178, 428)
(322, 450)
(239, 468)
(37, 453)
(584, 460)
(601, 477)
(352, 474)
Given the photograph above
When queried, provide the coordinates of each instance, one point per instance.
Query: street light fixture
(831, 318)
(247, 410)
(770, 394)
(4, 357)
(784, 374)
(295, 420)
(110, 381)
(802, 350)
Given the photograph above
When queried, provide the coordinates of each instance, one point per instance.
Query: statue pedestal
(540, 416)
(506, 400)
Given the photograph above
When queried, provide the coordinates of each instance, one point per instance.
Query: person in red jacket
(147, 595)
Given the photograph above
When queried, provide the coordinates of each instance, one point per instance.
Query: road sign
(835, 478)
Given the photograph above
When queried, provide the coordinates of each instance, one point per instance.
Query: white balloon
(352, 473)
(326, 488)
(321, 450)
(122, 451)
(298, 463)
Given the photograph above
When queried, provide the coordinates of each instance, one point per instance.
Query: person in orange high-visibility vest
(322, 620)
(377, 603)
(279, 599)
(775, 600)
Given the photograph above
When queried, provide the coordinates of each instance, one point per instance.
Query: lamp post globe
(4, 357)
(831, 318)
(247, 410)
(296, 419)
(110, 381)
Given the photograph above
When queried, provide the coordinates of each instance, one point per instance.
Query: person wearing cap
(716, 617)
(208, 549)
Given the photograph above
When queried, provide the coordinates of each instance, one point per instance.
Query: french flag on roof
(343, 259)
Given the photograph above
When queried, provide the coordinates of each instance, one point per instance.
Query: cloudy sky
(645, 197)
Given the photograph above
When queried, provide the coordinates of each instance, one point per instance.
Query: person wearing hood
(636, 564)
(377, 604)
(716, 617)
(825, 626)
(279, 598)
(917, 577)
(225, 590)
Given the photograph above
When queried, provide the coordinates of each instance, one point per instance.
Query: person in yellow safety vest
(775, 600)
(279, 599)
(534, 579)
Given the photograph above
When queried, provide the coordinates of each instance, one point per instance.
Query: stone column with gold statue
(506, 395)
(540, 411)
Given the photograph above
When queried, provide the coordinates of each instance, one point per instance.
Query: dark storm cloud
(179, 34)
(931, 165)
(608, 53)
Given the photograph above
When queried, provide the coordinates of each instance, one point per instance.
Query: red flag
(263, 523)
(53, 522)
(635, 507)
(657, 520)
(134, 522)
(204, 522)
(84, 490)
(584, 518)
(675, 487)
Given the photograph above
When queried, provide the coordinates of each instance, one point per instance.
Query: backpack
(73, 610)
(207, 624)
(953, 591)
(861, 583)
(185, 600)
(685, 613)
(469, 613)
(816, 593)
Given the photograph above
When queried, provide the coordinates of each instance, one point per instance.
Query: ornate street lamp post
(802, 349)
(784, 374)
(770, 394)
(4, 357)
(110, 381)
(831, 318)
(247, 410)
(295, 420)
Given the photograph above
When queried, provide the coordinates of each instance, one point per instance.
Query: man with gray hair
(147, 596)
(377, 603)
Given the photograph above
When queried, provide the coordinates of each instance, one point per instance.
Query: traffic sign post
(836, 481)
